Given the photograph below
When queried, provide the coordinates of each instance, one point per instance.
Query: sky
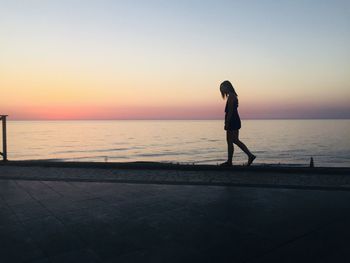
(107, 59)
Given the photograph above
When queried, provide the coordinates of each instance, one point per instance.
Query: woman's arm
(230, 109)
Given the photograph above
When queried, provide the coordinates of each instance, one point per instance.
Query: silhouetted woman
(233, 123)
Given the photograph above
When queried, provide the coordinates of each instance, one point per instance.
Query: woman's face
(223, 89)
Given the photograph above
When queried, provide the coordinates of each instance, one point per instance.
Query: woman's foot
(226, 164)
(251, 159)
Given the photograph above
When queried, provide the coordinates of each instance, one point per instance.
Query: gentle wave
(92, 151)
(291, 142)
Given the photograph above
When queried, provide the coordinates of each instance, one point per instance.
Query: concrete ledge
(180, 167)
(159, 173)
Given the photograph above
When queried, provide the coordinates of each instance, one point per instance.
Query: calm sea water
(290, 142)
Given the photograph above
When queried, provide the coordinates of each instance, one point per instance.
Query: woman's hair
(227, 84)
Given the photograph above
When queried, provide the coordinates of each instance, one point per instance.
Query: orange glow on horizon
(200, 111)
(123, 113)
(150, 60)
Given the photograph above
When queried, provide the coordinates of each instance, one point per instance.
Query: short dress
(235, 122)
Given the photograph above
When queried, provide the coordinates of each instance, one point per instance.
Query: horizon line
(174, 119)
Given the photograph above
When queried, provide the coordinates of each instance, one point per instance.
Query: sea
(274, 142)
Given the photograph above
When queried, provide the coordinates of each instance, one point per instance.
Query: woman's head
(226, 88)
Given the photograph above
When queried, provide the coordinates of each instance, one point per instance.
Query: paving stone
(30, 210)
(171, 253)
(52, 236)
(12, 194)
(7, 217)
(66, 190)
(326, 244)
(64, 204)
(38, 190)
(18, 246)
(41, 260)
(84, 255)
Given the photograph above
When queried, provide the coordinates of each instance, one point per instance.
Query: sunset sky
(107, 59)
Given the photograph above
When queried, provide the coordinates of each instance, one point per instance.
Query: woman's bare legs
(229, 139)
(240, 144)
(233, 138)
(230, 149)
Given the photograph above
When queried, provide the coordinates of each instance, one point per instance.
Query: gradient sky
(165, 59)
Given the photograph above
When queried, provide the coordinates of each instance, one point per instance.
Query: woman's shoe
(251, 159)
(226, 164)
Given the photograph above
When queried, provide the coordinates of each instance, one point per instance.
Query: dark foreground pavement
(60, 221)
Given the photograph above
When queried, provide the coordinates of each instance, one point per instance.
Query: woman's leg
(241, 145)
(229, 139)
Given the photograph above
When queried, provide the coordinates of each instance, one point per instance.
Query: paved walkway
(299, 178)
(59, 221)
